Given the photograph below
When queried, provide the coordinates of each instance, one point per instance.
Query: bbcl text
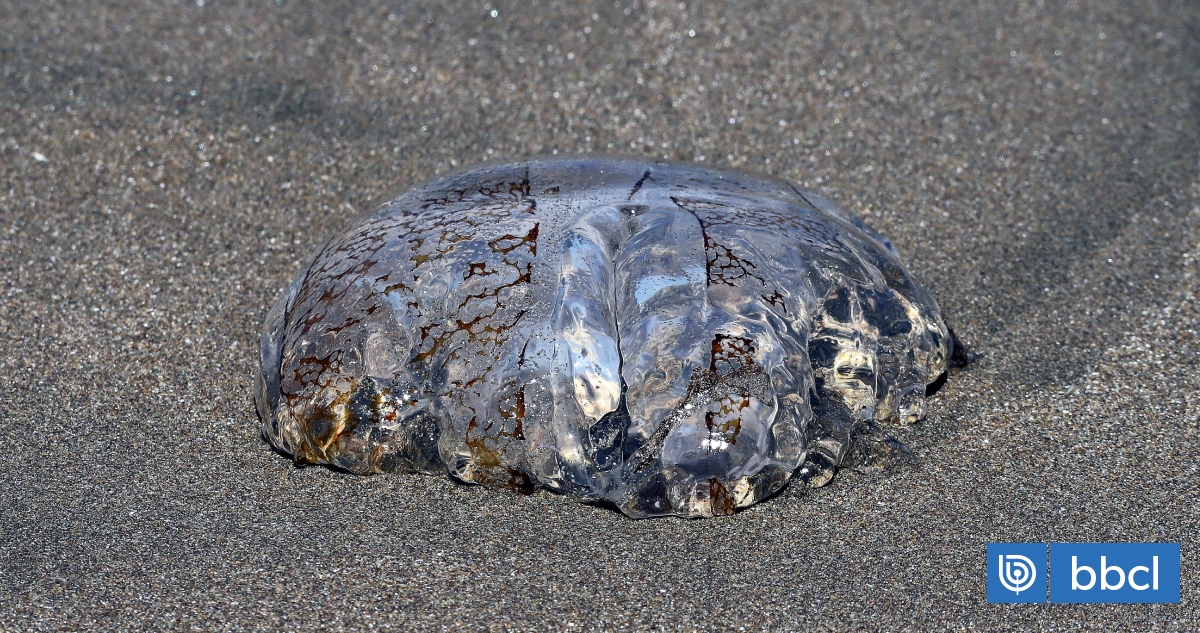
(1105, 570)
(1114, 572)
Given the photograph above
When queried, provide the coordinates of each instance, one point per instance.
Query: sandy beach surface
(165, 167)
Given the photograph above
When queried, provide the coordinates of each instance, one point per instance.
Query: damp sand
(165, 168)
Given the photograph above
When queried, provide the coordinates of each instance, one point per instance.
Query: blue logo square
(1114, 572)
(1016, 572)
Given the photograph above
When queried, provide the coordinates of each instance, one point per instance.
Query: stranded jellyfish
(666, 338)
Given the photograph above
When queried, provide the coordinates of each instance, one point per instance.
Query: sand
(165, 168)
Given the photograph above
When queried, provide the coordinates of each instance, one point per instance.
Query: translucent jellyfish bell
(669, 338)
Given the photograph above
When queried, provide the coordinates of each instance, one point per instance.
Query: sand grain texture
(165, 167)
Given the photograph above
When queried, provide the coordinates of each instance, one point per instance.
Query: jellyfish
(664, 338)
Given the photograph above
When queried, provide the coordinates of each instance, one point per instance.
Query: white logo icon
(1017, 573)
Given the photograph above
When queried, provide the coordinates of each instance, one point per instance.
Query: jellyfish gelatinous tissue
(665, 337)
